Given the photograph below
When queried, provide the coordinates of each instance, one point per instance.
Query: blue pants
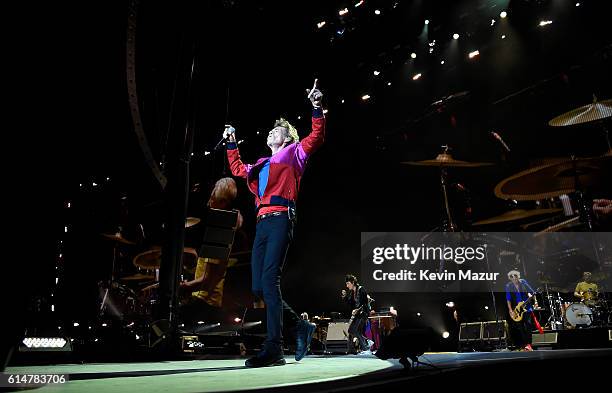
(272, 238)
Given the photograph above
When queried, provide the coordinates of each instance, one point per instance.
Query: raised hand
(314, 95)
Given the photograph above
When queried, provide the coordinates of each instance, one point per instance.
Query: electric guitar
(521, 308)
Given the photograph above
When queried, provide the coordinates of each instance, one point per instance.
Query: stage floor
(314, 373)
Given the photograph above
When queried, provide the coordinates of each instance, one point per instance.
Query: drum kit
(539, 184)
(563, 311)
(131, 290)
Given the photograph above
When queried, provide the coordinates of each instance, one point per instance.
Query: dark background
(254, 60)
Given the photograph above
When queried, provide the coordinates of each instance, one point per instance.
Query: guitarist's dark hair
(352, 279)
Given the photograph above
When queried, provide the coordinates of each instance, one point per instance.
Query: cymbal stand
(447, 223)
(112, 278)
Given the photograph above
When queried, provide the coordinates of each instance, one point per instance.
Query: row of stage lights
(455, 36)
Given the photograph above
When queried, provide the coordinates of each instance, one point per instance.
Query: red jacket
(286, 169)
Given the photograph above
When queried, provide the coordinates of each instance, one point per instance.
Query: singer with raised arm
(274, 181)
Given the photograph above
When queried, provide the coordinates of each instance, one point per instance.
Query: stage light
(53, 308)
(492, 22)
(503, 14)
(44, 342)
(237, 319)
(81, 184)
(65, 229)
(365, 97)
(192, 154)
(200, 322)
(418, 314)
(388, 83)
(343, 12)
(240, 142)
(417, 76)
(76, 324)
(376, 73)
(545, 22)
(56, 280)
(413, 55)
(104, 324)
(445, 335)
(377, 12)
(95, 184)
(130, 324)
(342, 101)
(68, 206)
(430, 50)
(340, 32)
(108, 178)
(206, 153)
(442, 62)
(321, 24)
(137, 337)
(450, 304)
(503, 37)
(486, 307)
(359, 3)
(299, 117)
(473, 54)
(325, 111)
(455, 36)
(577, 4)
(426, 21)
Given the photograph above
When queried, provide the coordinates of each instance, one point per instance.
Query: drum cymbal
(595, 111)
(138, 277)
(445, 159)
(191, 221)
(517, 214)
(117, 237)
(151, 259)
(551, 180)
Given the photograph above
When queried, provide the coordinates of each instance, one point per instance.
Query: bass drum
(578, 315)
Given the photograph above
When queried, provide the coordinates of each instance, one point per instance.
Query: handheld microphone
(229, 130)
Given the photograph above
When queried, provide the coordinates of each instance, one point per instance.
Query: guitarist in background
(518, 290)
(357, 298)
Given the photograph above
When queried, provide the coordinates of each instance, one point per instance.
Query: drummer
(586, 290)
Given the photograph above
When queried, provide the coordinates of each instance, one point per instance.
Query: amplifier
(337, 331)
(549, 338)
(492, 330)
(470, 331)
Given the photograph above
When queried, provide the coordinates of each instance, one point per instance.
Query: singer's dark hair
(352, 279)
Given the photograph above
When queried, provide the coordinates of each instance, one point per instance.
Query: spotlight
(45, 344)
(359, 3)
(426, 21)
(418, 314)
(486, 307)
(343, 12)
(76, 324)
(325, 111)
(206, 153)
(545, 22)
(503, 14)
(450, 304)
(445, 335)
(376, 73)
(342, 101)
(473, 54)
(413, 55)
(577, 4)
(237, 319)
(430, 50)
(388, 83)
(321, 24)
(442, 62)
(455, 36)
(503, 37)
(492, 22)
(299, 117)
(365, 97)
(377, 12)
(417, 76)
